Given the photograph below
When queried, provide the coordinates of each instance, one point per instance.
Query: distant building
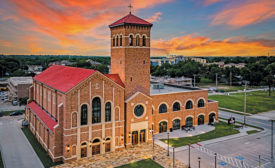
(181, 81)
(63, 62)
(240, 65)
(220, 64)
(174, 59)
(19, 87)
(35, 69)
(92, 62)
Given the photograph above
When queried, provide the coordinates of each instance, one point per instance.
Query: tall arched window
(120, 40)
(131, 40)
(117, 40)
(189, 105)
(84, 111)
(96, 110)
(114, 41)
(107, 112)
(176, 106)
(143, 41)
(163, 108)
(137, 40)
(201, 103)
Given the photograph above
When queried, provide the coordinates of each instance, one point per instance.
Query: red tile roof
(43, 116)
(116, 78)
(63, 78)
(130, 19)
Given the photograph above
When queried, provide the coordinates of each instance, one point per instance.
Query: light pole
(153, 144)
(173, 157)
(230, 78)
(217, 80)
(272, 139)
(194, 80)
(260, 161)
(189, 166)
(199, 162)
(168, 144)
(244, 116)
(215, 160)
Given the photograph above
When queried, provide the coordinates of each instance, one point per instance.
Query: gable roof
(130, 19)
(44, 117)
(63, 78)
(134, 95)
(115, 78)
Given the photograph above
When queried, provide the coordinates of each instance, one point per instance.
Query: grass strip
(146, 163)
(40, 151)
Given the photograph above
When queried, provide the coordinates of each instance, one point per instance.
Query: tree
(270, 76)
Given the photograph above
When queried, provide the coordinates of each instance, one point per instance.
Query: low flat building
(19, 87)
(36, 69)
(180, 81)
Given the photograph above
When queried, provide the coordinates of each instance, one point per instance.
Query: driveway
(15, 148)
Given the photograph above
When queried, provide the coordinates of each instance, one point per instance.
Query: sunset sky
(182, 27)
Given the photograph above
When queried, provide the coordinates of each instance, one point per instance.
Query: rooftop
(130, 19)
(20, 80)
(170, 89)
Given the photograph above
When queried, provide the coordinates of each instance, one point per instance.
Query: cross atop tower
(130, 7)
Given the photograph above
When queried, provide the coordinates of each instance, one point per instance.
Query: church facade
(76, 113)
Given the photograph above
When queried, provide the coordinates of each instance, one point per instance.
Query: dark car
(15, 113)
(1, 114)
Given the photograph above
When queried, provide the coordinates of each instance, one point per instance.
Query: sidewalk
(243, 132)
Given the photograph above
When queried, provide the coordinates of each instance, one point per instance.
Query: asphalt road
(242, 152)
(16, 150)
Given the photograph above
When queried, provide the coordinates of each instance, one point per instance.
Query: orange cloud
(156, 17)
(5, 43)
(210, 2)
(243, 14)
(190, 45)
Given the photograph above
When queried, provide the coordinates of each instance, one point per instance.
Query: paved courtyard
(126, 156)
(15, 148)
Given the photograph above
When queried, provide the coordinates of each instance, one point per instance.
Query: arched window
(163, 108)
(176, 106)
(96, 147)
(189, 122)
(107, 112)
(120, 41)
(162, 126)
(131, 40)
(114, 41)
(96, 110)
(143, 41)
(201, 120)
(201, 103)
(117, 40)
(84, 111)
(137, 40)
(189, 105)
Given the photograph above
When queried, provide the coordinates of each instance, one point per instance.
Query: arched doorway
(211, 117)
(200, 120)
(176, 124)
(96, 147)
(189, 122)
(84, 150)
(108, 145)
(162, 126)
(142, 136)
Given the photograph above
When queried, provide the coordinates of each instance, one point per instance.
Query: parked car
(14, 102)
(1, 114)
(15, 113)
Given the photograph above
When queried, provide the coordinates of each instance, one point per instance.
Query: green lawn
(6, 113)
(42, 154)
(147, 163)
(1, 162)
(256, 101)
(221, 129)
(252, 131)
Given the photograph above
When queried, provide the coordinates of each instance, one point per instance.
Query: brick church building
(76, 113)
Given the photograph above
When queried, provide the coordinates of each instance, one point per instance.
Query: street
(239, 152)
(15, 148)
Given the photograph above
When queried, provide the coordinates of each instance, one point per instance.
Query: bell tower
(130, 53)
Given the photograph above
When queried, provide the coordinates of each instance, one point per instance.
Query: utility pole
(244, 116)
(217, 80)
(230, 79)
(173, 157)
(168, 145)
(215, 160)
(189, 166)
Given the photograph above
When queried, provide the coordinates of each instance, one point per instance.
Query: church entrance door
(142, 136)
(134, 137)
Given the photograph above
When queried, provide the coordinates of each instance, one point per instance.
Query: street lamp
(173, 157)
(152, 131)
(199, 162)
(272, 139)
(215, 160)
(168, 144)
(244, 116)
(189, 166)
